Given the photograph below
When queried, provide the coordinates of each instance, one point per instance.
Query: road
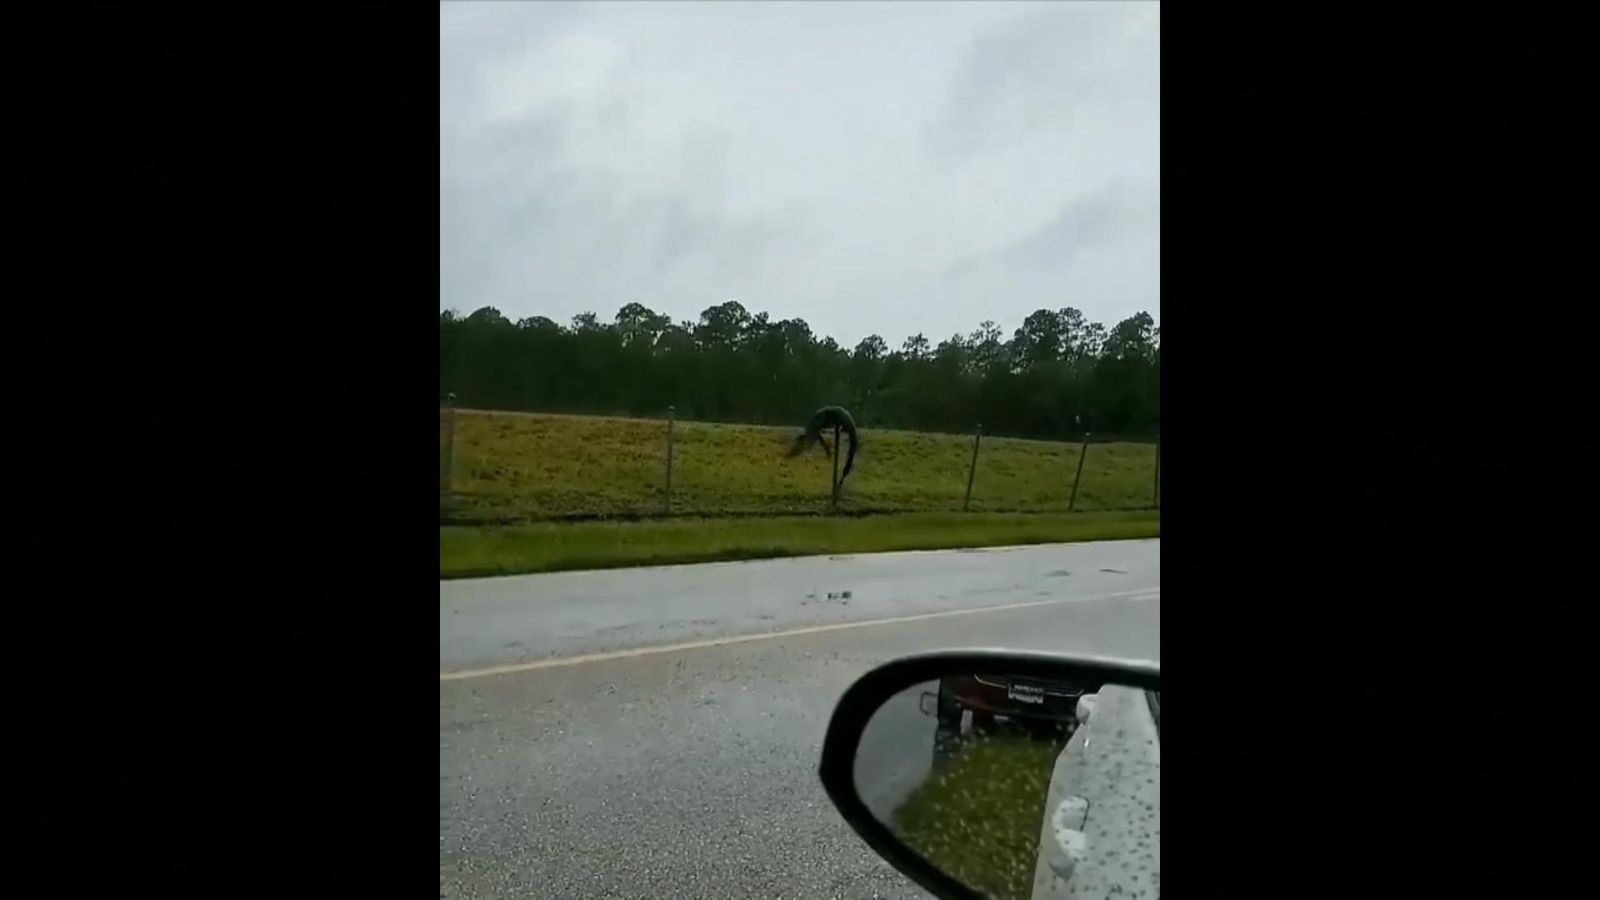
(895, 754)
(655, 732)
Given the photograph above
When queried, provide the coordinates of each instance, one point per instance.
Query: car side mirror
(982, 773)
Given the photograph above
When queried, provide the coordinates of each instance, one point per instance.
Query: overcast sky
(869, 167)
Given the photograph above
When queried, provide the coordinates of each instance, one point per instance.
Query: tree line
(1057, 376)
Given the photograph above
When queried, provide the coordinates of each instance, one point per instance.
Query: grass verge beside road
(549, 547)
(978, 819)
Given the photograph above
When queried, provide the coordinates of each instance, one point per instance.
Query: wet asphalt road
(612, 765)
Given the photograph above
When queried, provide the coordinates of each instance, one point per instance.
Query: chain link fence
(509, 467)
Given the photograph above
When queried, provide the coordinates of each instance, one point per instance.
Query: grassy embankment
(978, 818)
(520, 480)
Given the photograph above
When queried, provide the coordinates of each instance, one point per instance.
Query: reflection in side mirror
(1004, 775)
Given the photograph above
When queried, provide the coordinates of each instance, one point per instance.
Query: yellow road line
(562, 661)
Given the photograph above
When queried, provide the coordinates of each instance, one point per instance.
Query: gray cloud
(884, 168)
(1046, 70)
(1104, 217)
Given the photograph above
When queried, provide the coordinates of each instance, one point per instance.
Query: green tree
(722, 326)
(638, 324)
(730, 364)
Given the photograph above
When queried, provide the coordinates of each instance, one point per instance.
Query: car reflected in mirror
(986, 774)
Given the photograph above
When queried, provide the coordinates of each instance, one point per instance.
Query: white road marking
(561, 661)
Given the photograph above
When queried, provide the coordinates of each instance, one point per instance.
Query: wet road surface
(655, 732)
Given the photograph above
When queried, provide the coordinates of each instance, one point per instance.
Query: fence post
(1083, 454)
(1158, 471)
(671, 414)
(835, 455)
(977, 438)
(447, 473)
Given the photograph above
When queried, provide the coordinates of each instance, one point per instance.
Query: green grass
(512, 467)
(978, 817)
(551, 546)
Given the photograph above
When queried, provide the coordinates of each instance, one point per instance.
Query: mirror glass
(1021, 786)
